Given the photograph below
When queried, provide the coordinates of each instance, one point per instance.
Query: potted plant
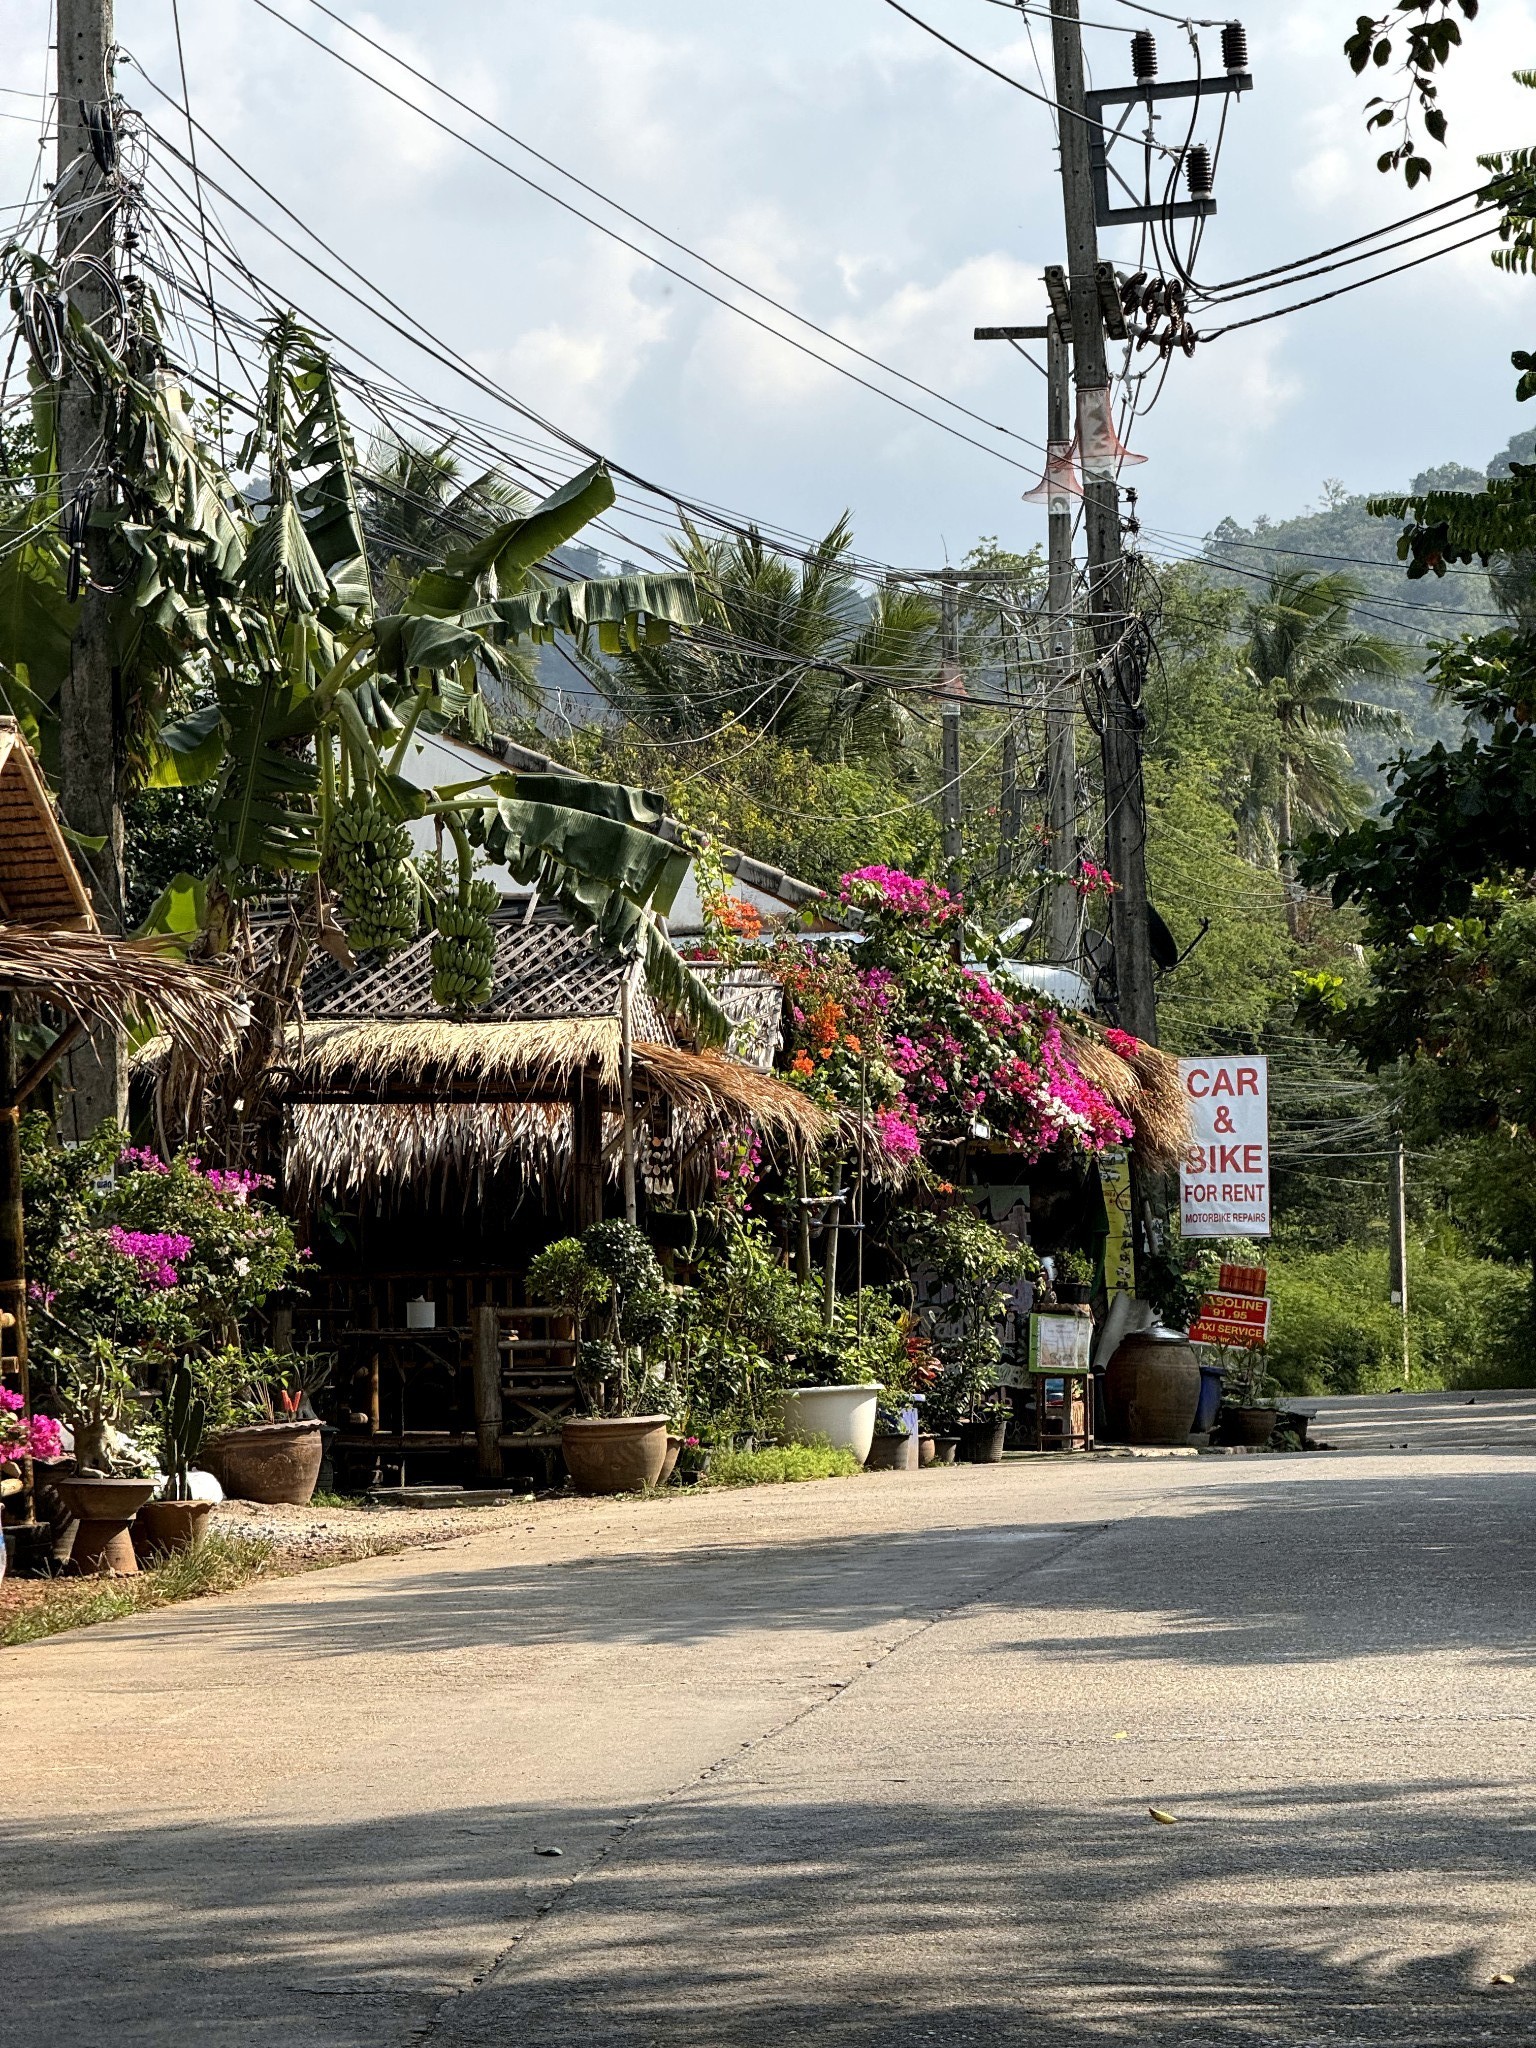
(609, 1281)
(962, 1270)
(267, 1449)
(93, 1386)
(894, 1446)
(1248, 1415)
(173, 1520)
(1073, 1284)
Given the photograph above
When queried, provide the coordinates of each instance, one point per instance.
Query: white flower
(242, 1267)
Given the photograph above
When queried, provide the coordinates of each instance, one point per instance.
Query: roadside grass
(782, 1464)
(219, 1564)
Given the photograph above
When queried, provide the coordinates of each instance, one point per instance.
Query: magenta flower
(154, 1252)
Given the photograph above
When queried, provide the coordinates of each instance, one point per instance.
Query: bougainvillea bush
(134, 1260)
(938, 1048)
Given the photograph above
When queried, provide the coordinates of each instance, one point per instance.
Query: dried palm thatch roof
(441, 1064)
(497, 1103)
(106, 981)
(1143, 1085)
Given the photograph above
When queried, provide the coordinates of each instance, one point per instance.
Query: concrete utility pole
(953, 688)
(1397, 1222)
(1064, 906)
(91, 740)
(1063, 918)
(1125, 818)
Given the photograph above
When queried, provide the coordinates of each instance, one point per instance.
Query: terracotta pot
(1152, 1389)
(163, 1527)
(981, 1443)
(944, 1449)
(104, 1509)
(271, 1462)
(892, 1451)
(614, 1454)
(669, 1462)
(927, 1450)
(1251, 1426)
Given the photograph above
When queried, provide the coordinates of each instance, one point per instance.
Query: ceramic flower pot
(614, 1454)
(104, 1509)
(841, 1416)
(892, 1451)
(669, 1462)
(944, 1449)
(274, 1463)
(1252, 1427)
(164, 1527)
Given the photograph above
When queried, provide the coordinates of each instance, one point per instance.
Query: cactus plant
(183, 1419)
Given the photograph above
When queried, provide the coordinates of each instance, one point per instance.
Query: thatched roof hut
(384, 1098)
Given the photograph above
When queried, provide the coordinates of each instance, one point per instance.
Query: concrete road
(1501, 1419)
(866, 1762)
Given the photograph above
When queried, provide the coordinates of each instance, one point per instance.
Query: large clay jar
(1152, 1389)
(271, 1462)
(614, 1454)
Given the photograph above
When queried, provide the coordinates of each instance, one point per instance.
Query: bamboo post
(13, 1242)
(485, 1337)
(803, 1243)
(587, 1149)
(858, 1199)
(627, 1093)
(834, 1220)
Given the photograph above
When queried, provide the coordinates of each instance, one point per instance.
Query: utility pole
(1397, 1223)
(1125, 816)
(91, 739)
(1063, 905)
(953, 689)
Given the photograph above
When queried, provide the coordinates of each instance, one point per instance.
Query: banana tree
(305, 697)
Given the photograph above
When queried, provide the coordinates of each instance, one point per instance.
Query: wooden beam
(587, 1149)
(485, 1324)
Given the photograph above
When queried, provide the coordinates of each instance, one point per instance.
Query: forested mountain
(1340, 534)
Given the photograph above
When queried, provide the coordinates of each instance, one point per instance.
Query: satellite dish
(1165, 947)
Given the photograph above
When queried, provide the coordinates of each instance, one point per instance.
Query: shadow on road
(1369, 1915)
(1295, 1570)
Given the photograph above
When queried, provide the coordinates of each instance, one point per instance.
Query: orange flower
(801, 1064)
(853, 1044)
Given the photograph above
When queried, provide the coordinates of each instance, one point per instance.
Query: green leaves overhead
(480, 573)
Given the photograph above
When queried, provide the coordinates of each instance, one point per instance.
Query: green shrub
(781, 1464)
(1334, 1330)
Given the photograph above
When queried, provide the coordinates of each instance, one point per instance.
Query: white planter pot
(843, 1416)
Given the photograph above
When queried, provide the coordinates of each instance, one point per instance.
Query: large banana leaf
(611, 605)
(478, 574)
(515, 832)
(333, 518)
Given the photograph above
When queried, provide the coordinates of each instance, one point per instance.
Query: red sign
(1235, 1319)
(1242, 1279)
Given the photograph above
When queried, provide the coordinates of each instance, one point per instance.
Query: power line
(628, 213)
(1359, 284)
(682, 276)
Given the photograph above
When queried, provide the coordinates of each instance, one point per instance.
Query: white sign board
(1224, 1183)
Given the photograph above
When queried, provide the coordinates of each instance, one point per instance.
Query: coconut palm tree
(1304, 661)
(787, 645)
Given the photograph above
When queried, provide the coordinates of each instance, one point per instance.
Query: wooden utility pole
(1397, 1222)
(1063, 905)
(1125, 814)
(91, 738)
(953, 690)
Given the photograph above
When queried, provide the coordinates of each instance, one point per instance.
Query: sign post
(1224, 1181)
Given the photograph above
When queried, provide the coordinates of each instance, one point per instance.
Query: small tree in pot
(608, 1280)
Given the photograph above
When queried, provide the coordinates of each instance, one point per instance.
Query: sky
(831, 154)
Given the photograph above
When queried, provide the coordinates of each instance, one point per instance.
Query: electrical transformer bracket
(1101, 141)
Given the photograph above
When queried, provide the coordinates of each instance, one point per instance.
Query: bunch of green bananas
(367, 867)
(464, 950)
